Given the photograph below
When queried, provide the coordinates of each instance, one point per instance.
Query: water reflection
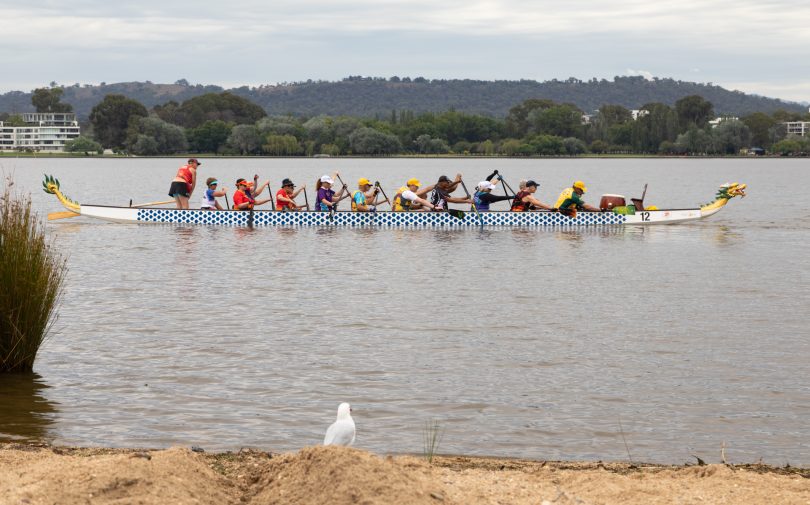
(25, 412)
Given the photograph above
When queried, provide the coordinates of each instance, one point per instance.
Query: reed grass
(432, 437)
(31, 278)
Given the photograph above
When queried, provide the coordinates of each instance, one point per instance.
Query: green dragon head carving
(730, 190)
(51, 186)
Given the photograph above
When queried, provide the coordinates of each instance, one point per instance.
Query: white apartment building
(43, 131)
(800, 128)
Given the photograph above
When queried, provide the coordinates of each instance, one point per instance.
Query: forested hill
(369, 97)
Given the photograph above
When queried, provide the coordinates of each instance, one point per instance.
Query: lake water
(545, 344)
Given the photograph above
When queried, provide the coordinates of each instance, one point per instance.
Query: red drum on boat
(610, 201)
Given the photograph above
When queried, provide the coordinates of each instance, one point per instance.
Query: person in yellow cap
(364, 199)
(571, 199)
(409, 197)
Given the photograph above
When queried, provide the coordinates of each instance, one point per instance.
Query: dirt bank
(33, 475)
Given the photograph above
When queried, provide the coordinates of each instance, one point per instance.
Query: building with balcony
(43, 131)
(800, 128)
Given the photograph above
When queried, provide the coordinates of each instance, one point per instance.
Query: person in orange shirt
(184, 182)
(243, 199)
(285, 197)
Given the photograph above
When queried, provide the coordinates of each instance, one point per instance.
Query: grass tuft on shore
(431, 437)
(31, 278)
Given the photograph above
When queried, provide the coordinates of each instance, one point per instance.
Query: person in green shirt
(571, 199)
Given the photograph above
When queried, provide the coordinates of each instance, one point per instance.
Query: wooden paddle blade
(458, 214)
(149, 204)
(61, 215)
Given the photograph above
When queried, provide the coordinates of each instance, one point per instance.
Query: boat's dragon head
(731, 189)
(51, 186)
(726, 192)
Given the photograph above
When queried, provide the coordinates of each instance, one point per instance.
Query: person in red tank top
(242, 199)
(285, 197)
(184, 182)
(525, 200)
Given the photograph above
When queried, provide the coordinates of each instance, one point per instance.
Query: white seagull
(341, 432)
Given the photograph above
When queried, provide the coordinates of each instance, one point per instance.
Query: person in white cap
(483, 196)
(327, 200)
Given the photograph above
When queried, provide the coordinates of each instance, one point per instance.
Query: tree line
(228, 124)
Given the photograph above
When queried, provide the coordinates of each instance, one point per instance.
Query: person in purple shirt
(327, 200)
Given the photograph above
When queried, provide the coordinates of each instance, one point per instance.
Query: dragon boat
(619, 216)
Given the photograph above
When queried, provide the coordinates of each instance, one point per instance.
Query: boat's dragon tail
(51, 185)
(726, 192)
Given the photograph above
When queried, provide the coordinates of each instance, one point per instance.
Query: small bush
(31, 276)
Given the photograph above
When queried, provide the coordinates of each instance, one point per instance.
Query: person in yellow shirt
(570, 199)
(361, 197)
(409, 197)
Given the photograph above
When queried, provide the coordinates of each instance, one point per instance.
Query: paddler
(243, 199)
(525, 201)
(361, 197)
(285, 197)
(326, 198)
(409, 197)
(209, 199)
(184, 182)
(440, 196)
(483, 196)
(570, 199)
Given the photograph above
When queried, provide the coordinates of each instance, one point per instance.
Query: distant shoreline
(396, 156)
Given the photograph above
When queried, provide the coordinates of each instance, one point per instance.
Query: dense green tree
(144, 145)
(560, 120)
(168, 138)
(694, 141)
(225, 107)
(209, 136)
(760, 125)
(659, 124)
(574, 146)
(367, 140)
(245, 139)
(792, 146)
(280, 125)
(427, 145)
(517, 120)
(82, 144)
(168, 112)
(111, 119)
(281, 145)
(693, 110)
(546, 145)
(730, 136)
(48, 100)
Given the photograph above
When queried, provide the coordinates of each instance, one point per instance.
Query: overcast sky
(755, 46)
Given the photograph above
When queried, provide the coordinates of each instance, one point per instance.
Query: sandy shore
(31, 474)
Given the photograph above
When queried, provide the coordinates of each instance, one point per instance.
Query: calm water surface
(531, 343)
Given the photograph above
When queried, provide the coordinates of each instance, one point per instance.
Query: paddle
(227, 203)
(377, 184)
(477, 214)
(61, 215)
(149, 204)
(306, 198)
(458, 214)
(505, 186)
(341, 191)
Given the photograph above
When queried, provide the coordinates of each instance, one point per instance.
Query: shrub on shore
(31, 276)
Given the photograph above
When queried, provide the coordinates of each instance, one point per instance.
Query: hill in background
(377, 97)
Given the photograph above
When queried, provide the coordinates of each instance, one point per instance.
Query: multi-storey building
(800, 128)
(43, 131)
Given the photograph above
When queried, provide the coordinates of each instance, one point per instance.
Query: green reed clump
(31, 276)
(431, 437)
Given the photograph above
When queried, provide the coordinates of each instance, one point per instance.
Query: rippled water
(532, 343)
